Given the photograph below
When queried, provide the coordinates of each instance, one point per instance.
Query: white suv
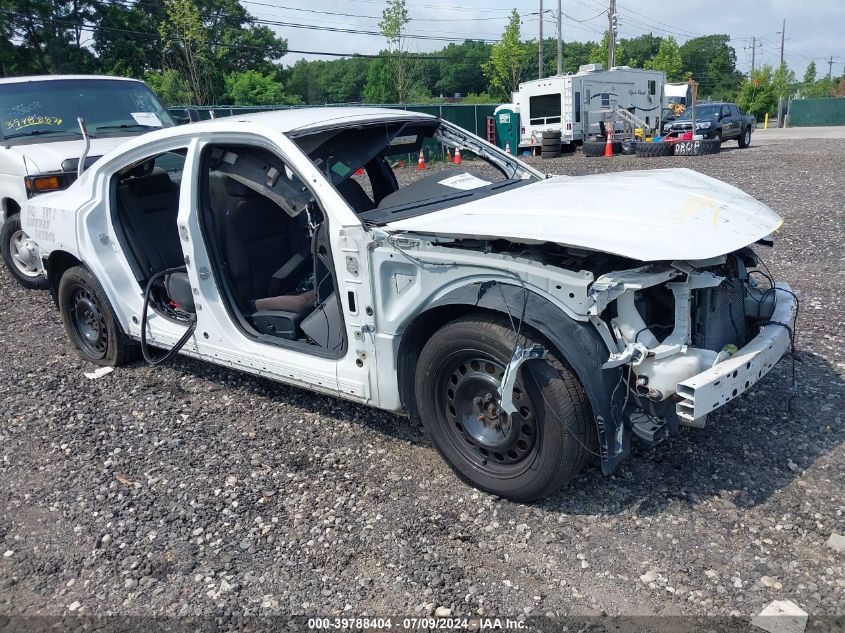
(41, 142)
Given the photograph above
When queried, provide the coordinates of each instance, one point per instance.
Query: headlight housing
(45, 183)
(703, 126)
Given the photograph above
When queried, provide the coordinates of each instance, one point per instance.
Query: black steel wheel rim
(88, 323)
(467, 402)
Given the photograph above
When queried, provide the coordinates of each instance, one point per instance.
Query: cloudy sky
(813, 29)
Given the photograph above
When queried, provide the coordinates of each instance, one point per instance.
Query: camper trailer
(582, 105)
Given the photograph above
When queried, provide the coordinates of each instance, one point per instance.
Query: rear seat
(150, 206)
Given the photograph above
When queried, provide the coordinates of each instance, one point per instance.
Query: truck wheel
(717, 137)
(745, 139)
(19, 255)
(522, 457)
(90, 322)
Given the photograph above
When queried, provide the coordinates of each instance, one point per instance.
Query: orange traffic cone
(457, 159)
(508, 147)
(608, 147)
(421, 161)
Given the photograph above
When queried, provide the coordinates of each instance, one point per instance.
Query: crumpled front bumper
(709, 390)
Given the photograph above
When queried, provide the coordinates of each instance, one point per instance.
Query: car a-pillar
(577, 345)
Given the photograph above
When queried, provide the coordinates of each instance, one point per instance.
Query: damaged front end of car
(690, 336)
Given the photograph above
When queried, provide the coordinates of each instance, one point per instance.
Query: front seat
(260, 241)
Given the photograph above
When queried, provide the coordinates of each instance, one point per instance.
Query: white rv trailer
(577, 103)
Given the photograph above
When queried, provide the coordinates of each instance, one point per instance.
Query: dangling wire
(192, 322)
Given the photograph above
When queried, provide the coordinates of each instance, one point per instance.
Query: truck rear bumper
(709, 390)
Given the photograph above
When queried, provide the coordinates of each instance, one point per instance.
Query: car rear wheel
(90, 321)
(524, 456)
(745, 139)
(21, 255)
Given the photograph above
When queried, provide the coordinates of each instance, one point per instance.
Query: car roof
(15, 80)
(293, 119)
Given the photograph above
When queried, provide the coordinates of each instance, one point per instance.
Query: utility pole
(540, 46)
(830, 67)
(782, 36)
(559, 39)
(753, 47)
(611, 35)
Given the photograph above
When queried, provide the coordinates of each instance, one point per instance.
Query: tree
(757, 96)
(507, 58)
(461, 71)
(810, 74)
(782, 81)
(170, 87)
(711, 61)
(379, 87)
(47, 36)
(250, 87)
(395, 18)
(119, 47)
(599, 52)
(186, 49)
(667, 59)
(638, 50)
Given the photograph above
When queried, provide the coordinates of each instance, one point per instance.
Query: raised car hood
(663, 214)
(46, 157)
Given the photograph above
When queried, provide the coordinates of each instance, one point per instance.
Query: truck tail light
(43, 184)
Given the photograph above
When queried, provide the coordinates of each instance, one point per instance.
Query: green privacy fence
(472, 118)
(813, 112)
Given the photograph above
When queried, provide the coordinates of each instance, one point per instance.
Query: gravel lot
(193, 490)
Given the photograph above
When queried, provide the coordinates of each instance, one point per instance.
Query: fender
(579, 345)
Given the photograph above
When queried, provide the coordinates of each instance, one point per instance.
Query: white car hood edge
(653, 215)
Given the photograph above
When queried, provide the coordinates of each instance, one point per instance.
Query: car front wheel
(90, 321)
(20, 255)
(523, 456)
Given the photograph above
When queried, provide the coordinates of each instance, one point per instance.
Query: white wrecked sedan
(529, 321)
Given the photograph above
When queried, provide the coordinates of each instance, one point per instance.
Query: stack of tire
(654, 150)
(597, 147)
(701, 147)
(551, 144)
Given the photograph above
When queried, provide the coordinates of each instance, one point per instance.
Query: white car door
(223, 336)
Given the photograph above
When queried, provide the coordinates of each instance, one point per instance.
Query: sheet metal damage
(725, 332)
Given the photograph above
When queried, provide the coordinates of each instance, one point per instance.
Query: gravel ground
(194, 490)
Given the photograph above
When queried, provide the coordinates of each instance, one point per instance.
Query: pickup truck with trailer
(528, 321)
(41, 142)
(720, 121)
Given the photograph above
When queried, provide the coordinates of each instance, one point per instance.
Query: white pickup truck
(41, 142)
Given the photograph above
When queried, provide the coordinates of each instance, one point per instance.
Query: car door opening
(268, 242)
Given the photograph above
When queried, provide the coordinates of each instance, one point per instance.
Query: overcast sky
(814, 30)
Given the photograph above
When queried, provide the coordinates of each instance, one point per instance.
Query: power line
(92, 28)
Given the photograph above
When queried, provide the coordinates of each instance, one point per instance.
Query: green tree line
(214, 51)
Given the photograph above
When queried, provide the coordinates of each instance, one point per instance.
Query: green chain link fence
(813, 112)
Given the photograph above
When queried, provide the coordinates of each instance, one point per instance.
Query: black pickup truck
(715, 120)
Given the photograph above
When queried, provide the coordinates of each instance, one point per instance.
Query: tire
(456, 384)
(744, 139)
(550, 143)
(717, 137)
(550, 153)
(596, 148)
(552, 135)
(702, 147)
(653, 150)
(90, 322)
(20, 260)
